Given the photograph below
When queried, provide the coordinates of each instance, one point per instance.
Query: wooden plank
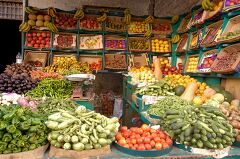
(233, 85)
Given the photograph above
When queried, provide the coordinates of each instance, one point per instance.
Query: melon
(40, 17)
(31, 22)
(47, 18)
(32, 17)
(39, 23)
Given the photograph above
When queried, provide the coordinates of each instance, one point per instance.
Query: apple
(40, 38)
(38, 42)
(34, 34)
(29, 45)
(32, 42)
(44, 34)
(29, 35)
(29, 39)
(47, 39)
(42, 45)
(36, 45)
(48, 35)
(43, 42)
(39, 34)
(47, 46)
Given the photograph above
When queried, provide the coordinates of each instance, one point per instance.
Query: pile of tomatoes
(143, 138)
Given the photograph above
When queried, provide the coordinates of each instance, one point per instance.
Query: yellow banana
(52, 11)
(102, 18)
(209, 4)
(175, 19)
(149, 19)
(79, 14)
(204, 6)
(175, 38)
(25, 27)
(31, 10)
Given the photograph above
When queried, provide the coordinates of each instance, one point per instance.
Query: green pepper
(15, 121)
(9, 116)
(11, 128)
(41, 139)
(32, 140)
(14, 142)
(38, 145)
(25, 137)
(23, 118)
(7, 151)
(24, 125)
(24, 149)
(17, 134)
(3, 125)
(11, 146)
(32, 147)
(16, 150)
(36, 121)
(20, 112)
(7, 137)
(1, 134)
(3, 146)
(20, 143)
(34, 128)
(27, 144)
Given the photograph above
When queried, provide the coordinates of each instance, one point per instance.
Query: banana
(175, 19)
(149, 19)
(127, 16)
(209, 4)
(52, 11)
(204, 5)
(148, 34)
(24, 27)
(79, 14)
(175, 38)
(31, 10)
(52, 27)
(102, 18)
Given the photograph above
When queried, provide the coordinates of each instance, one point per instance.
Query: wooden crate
(232, 27)
(91, 42)
(132, 39)
(115, 61)
(181, 45)
(138, 60)
(163, 39)
(161, 22)
(90, 17)
(211, 14)
(36, 56)
(114, 37)
(115, 21)
(184, 24)
(211, 34)
(223, 58)
(69, 16)
(204, 56)
(65, 40)
(93, 59)
(133, 25)
(188, 61)
(62, 55)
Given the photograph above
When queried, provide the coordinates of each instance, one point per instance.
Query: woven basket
(159, 22)
(138, 39)
(33, 56)
(224, 60)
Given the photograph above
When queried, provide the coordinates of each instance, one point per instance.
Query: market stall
(180, 84)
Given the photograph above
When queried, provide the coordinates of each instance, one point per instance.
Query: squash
(157, 69)
(209, 92)
(218, 97)
(179, 90)
(189, 92)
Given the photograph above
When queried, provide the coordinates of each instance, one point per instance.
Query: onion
(23, 102)
(32, 104)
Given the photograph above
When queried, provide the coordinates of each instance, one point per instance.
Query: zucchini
(222, 131)
(208, 144)
(197, 136)
(218, 140)
(172, 117)
(177, 132)
(220, 146)
(212, 140)
(228, 139)
(213, 135)
(204, 138)
(181, 137)
(199, 144)
(172, 112)
(196, 131)
(215, 128)
(188, 131)
(224, 141)
(209, 135)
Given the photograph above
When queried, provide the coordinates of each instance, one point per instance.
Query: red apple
(34, 38)
(32, 42)
(36, 45)
(29, 39)
(34, 34)
(40, 38)
(42, 45)
(38, 42)
(48, 35)
(47, 46)
(48, 42)
(44, 34)
(43, 42)
(47, 39)
(29, 45)
(39, 34)
(29, 35)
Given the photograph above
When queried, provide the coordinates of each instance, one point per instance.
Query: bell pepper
(36, 121)
(11, 128)
(7, 137)
(32, 147)
(1, 134)
(16, 150)
(24, 149)
(17, 134)
(7, 151)
(24, 125)
(15, 121)
(25, 137)
(3, 146)
(11, 146)
(20, 143)
(9, 116)
(3, 125)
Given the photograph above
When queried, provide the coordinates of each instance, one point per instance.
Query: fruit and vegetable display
(118, 44)
(40, 75)
(231, 4)
(54, 88)
(115, 26)
(65, 21)
(90, 23)
(138, 44)
(92, 42)
(63, 40)
(21, 130)
(208, 5)
(227, 60)
(167, 104)
(211, 34)
(164, 61)
(38, 39)
(35, 63)
(194, 40)
(142, 75)
(137, 27)
(38, 20)
(182, 44)
(206, 62)
(161, 28)
(115, 61)
(16, 79)
(161, 88)
(199, 127)
(143, 138)
(192, 64)
(66, 65)
(160, 45)
(81, 129)
(9, 98)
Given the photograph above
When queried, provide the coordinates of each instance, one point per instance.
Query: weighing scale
(82, 86)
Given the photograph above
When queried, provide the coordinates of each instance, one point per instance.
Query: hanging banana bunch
(104, 16)
(31, 10)
(148, 34)
(52, 27)
(79, 14)
(52, 11)
(149, 20)
(24, 27)
(175, 39)
(175, 19)
(207, 5)
(127, 17)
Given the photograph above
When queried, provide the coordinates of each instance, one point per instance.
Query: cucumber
(204, 138)
(209, 135)
(213, 135)
(224, 141)
(182, 137)
(220, 146)
(212, 140)
(215, 146)
(208, 144)
(199, 144)
(172, 112)
(228, 139)
(188, 131)
(172, 116)
(197, 136)
(204, 132)
(215, 128)
(177, 132)
(196, 131)
(188, 139)
(218, 140)
(193, 141)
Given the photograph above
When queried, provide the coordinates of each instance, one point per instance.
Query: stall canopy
(162, 8)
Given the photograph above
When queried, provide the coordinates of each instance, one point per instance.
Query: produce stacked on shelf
(81, 129)
(194, 40)
(118, 44)
(170, 70)
(206, 62)
(159, 89)
(96, 65)
(40, 75)
(143, 138)
(38, 39)
(138, 44)
(90, 23)
(115, 61)
(161, 45)
(182, 44)
(62, 40)
(115, 26)
(192, 64)
(204, 127)
(142, 75)
(38, 20)
(161, 28)
(54, 88)
(91, 42)
(137, 27)
(231, 3)
(65, 21)
(16, 79)
(21, 130)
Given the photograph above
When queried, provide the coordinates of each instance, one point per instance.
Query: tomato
(162, 135)
(148, 146)
(126, 145)
(133, 129)
(40, 38)
(147, 140)
(126, 134)
(29, 35)
(136, 146)
(139, 140)
(157, 139)
(146, 134)
(122, 142)
(153, 135)
(145, 127)
(119, 136)
(169, 141)
(137, 136)
(36, 45)
(133, 141)
(140, 131)
(39, 34)
(141, 147)
(43, 42)
(32, 42)
(162, 140)
(165, 145)
(153, 130)
(29, 45)
(152, 143)
(44, 34)
(35, 34)
(158, 146)
(130, 145)
(41, 45)
(48, 35)
(132, 137)
(123, 128)
(38, 42)
(128, 140)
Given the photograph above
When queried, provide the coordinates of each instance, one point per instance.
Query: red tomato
(122, 142)
(139, 131)
(123, 128)
(35, 34)
(48, 35)
(44, 34)
(148, 146)
(153, 135)
(145, 127)
(147, 140)
(153, 130)
(162, 140)
(126, 134)
(165, 145)
(119, 136)
(40, 38)
(133, 129)
(169, 141)
(132, 137)
(152, 143)
(139, 140)
(162, 135)
(29, 35)
(136, 146)
(158, 146)
(137, 136)
(39, 34)
(128, 140)
(130, 145)
(133, 141)
(126, 145)
(141, 147)
(157, 139)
